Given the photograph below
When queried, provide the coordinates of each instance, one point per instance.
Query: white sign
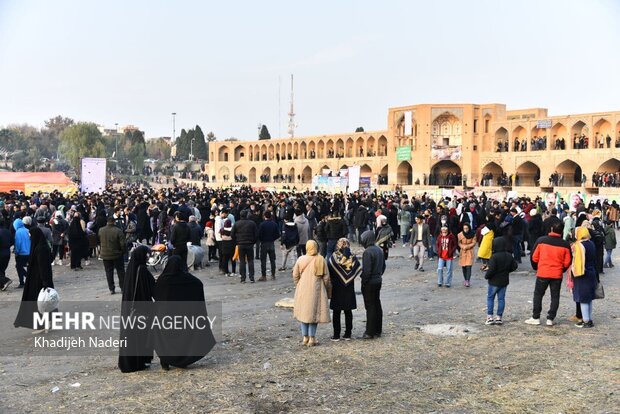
(354, 178)
(543, 123)
(93, 175)
(408, 124)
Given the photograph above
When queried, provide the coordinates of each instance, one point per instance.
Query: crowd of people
(316, 230)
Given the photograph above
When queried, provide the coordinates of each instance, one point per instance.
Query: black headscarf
(137, 302)
(176, 284)
(471, 233)
(77, 235)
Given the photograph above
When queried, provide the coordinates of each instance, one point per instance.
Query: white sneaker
(533, 321)
(549, 322)
(54, 263)
(87, 263)
(59, 262)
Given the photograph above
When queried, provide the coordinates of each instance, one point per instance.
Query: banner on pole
(93, 175)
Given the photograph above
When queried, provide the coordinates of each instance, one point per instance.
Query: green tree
(359, 129)
(210, 138)
(200, 146)
(158, 149)
(264, 133)
(58, 124)
(79, 141)
(182, 144)
(134, 149)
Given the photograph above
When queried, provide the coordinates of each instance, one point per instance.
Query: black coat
(501, 264)
(534, 228)
(244, 232)
(38, 276)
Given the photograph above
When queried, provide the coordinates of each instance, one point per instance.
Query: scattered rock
(285, 303)
(444, 329)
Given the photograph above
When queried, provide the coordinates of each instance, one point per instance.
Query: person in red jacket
(445, 246)
(551, 258)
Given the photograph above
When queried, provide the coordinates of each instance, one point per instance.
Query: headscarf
(312, 249)
(468, 234)
(579, 252)
(343, 263)
(138, 258)
(381, 220)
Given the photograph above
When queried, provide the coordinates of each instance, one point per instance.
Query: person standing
(343, 267)
(467, 242)
(268, 233)
(498, 276)
(113, 247)
(39, 276)
(244, 233)
(335, 229)
(551, 258)
(288, 241)
(518, 227)
(59, 229)
(312, 291)
(21, 247)
(610, 242)
(180, 235)
(584, 275)
(78, 242)
(420, 241)
(445, 247)
(373, 267)
(6, 241)
(227, 249)
(210, 235)
(303, 228)
(404, 220)
(383, 235)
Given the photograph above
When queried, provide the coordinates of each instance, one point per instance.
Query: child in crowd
(500, 266)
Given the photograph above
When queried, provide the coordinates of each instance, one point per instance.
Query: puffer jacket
(336, 228)
(373, 263)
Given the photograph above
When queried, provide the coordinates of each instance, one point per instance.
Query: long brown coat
(467, 250)
(311, 299)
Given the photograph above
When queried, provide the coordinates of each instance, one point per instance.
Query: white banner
(408, 124)
(354, 178)
(93, 175)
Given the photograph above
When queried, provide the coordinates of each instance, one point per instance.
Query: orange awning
(35, 181)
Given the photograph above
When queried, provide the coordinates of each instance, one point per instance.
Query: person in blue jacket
(22, 247)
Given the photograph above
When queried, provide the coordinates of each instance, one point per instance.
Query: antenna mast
(291, 114)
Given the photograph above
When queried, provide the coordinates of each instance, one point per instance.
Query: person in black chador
(39, 276)
(181, 348)
(138, 289)
(343, 267)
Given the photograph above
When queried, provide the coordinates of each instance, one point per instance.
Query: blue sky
(217, 63)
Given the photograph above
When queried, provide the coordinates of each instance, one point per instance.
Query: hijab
(343, 264)
(312, 249)
(579, 252)
(139, 282)
(469, 234)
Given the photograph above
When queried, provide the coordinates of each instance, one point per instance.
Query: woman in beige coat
(467, 241)
(312, 291)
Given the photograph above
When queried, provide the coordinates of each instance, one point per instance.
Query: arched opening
(306, 175)
(519, 139)
(279, 151)
(501, 140)
(365, 171)
(493, 174)
(359, 147)
(311, 150)
(320, 149)
(382, 146)
(607, 174)
(289, 151)
(404, 174)
(566, 174)
(538, 139)
(340, 148)
(272, 152)
(558, 136)
(291, 175)
(370, 147)
(579, 135)
(329, 148)
(446, 173)
(528, 174)
(240, 176)
(446, 131)
(383, 175)
(222, 154)
(266, 175)
(263, 152)
(256, 153)
(224, 174)
(602, 134)
(303, 151)
(344, 167)
(296, 151)
(610, 166)
(252, 175)
(239, 153)
(349, 148)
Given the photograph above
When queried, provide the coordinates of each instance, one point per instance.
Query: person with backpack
(501, 264)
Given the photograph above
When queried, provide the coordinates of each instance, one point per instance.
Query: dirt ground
(259, 365)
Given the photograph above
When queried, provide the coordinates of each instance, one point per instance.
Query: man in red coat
(445, 247)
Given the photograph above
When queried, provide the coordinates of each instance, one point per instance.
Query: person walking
(312, 291)
(501, 264)
(404, 220)
(180, 235)
(584, 275)
(343, 267)
(59, 230)
(445, 247)
(113, 247)
(373, 267)
(21, 247)
(486, 234)
(383, 235)
(227, 248)
(268, 234)
(245, 235)
(466, 242)
(551, 258)
(303, 229)
(420, 241)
